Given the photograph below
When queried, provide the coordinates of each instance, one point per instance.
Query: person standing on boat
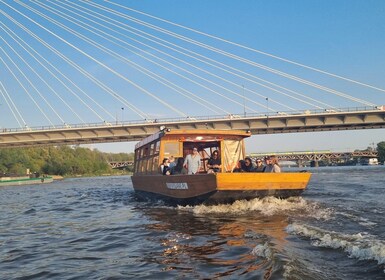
(272, 165)
(193, 162)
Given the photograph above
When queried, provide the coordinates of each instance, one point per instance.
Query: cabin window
(149, 166)
(146, 152)
(155, 164)
(144, 166)
(171, 149)
(152, 151)
(147, 158)
(157, 147)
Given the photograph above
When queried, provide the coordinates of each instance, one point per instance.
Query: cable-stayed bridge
(77, 72)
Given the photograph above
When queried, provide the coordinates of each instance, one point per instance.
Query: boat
(24, 180)
(225, 186)
(369, 161)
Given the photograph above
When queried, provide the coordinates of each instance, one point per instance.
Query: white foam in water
(362, 221)
(262, 251)
(267, 206)
(366, 222)
(84, 195)
(361, 245)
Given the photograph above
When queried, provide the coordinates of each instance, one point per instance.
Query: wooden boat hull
(220, 187)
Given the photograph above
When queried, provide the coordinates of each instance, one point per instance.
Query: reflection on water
(220, 245)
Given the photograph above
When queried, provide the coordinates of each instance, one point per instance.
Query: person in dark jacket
(178, 168)
(259, 167)
(246, 165)
(164, 169)
(214, 164)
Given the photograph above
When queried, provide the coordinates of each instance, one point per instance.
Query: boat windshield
(231, 151)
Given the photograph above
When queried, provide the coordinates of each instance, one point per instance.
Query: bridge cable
(99, 17)
(205, 61)
(56, 77)
(137, 66)
(235, 57)
(45, 82)
(174, 65)
(73, 64)
(17, 79)
(95, 60)
(250, 49)
(168, 69)
(3, 90)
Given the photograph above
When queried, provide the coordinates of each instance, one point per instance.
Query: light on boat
(199, 138)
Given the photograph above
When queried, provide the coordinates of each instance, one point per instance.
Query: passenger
(214, 164)
(259, 166)
(164, 167)
(272, 165)
(178, 168)
(247, 165)
(193, 162)
(267, 164)
(172, 162)
(238, 166)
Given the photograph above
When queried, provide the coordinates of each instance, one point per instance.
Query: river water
(94, 228)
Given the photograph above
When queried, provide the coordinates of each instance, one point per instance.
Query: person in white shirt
(193, 162)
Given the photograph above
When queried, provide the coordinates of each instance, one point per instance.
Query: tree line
(381, 151)
(61, 160)
(71, 161)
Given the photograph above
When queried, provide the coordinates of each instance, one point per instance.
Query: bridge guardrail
(162, 121)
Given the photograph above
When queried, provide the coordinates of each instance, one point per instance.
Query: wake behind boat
(223, 186)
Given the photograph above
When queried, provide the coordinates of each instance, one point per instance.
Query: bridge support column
(300, 163)
(314, 163)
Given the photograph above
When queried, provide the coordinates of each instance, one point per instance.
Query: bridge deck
(361, 118)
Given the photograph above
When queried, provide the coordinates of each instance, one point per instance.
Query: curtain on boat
(233, 153)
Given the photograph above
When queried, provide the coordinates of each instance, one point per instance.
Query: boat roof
(200, 132)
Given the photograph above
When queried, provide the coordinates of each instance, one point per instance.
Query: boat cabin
(150, 152)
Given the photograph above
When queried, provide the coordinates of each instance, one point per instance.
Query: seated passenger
(172, 162)
(245, 165)
(178, 168)
(272, 165)
(164, 169)
(259, 166)
(214, 164)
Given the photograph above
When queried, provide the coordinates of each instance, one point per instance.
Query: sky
(340, 37)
